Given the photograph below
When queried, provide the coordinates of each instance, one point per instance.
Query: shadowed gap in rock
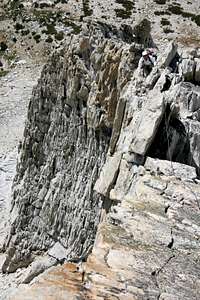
(171, 141)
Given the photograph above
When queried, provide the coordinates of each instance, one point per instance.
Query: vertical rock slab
(66, 140)
(167, 56)
(59, 162)
(108, 175)
(148, 123)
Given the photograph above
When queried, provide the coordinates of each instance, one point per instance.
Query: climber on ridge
(147, 62)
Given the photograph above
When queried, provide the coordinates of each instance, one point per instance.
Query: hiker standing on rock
(147, 62)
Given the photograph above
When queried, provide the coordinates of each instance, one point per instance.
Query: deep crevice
(171, 141)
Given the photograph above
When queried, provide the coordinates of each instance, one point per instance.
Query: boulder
(58, 252)
(37, 267)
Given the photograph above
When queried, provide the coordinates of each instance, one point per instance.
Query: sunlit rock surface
(108, 173)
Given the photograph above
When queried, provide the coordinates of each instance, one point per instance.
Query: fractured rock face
(149, 241)
(96, 132)
(66, 138)
(147, 246)
(153, 223)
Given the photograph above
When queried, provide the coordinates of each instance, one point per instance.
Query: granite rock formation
(101, 140)
(66, 139)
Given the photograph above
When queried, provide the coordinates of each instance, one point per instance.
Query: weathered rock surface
(168, 168)
(108, 175)
(66, 138)
(147, 248)
(99, 140)
(167, 56)
(36, 268)
(153, 112)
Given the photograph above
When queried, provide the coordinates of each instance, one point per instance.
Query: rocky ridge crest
(100, 136)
